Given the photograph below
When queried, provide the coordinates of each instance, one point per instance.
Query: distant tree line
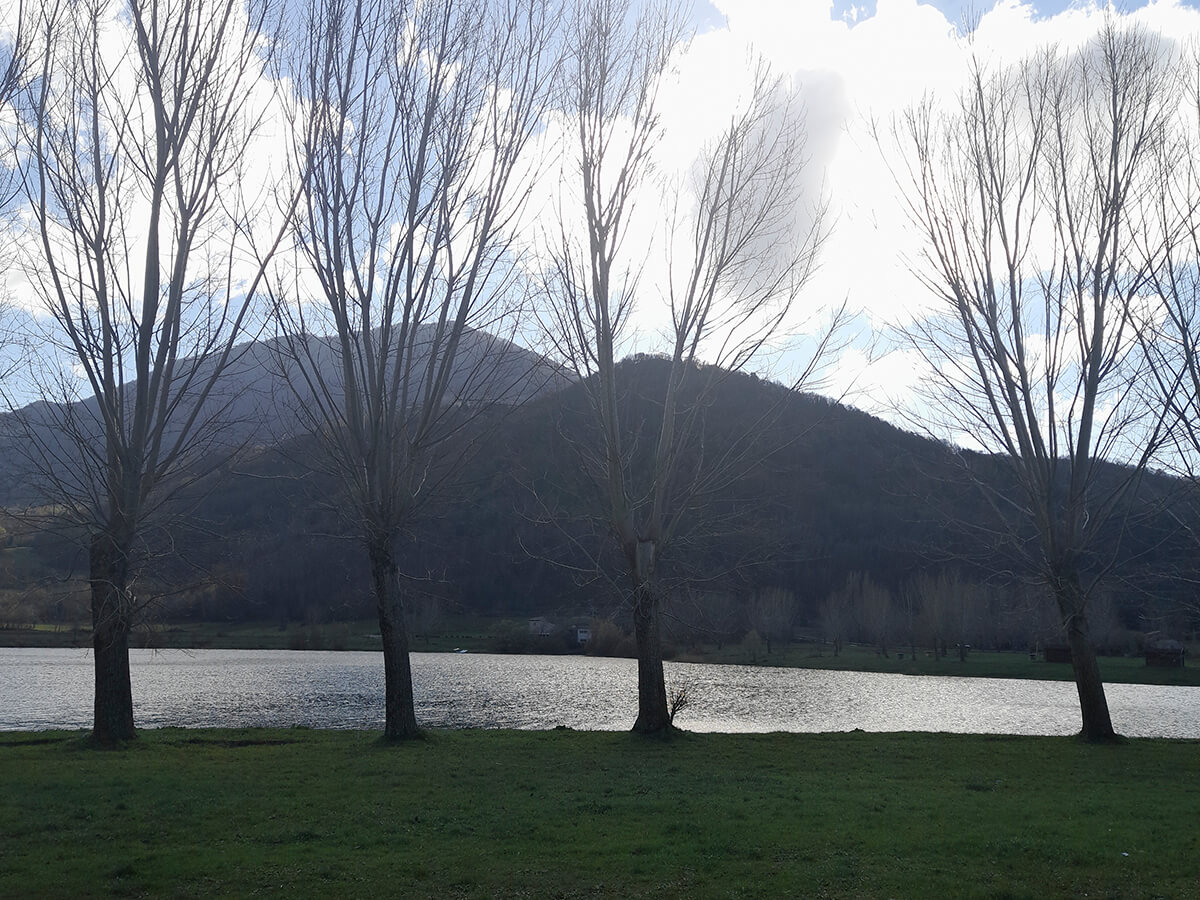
(270, 545)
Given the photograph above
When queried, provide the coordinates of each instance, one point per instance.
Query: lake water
(42, 689)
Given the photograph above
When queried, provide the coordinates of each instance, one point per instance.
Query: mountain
(259, 399)
(829, 499)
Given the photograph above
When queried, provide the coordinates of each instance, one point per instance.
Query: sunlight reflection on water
(329, 689)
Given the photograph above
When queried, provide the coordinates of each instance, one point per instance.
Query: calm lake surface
(243, 688)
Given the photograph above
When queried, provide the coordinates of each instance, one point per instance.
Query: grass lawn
(359, 635)
(981, 664)
(303, 813)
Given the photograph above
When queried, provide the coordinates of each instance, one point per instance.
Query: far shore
(505, 636)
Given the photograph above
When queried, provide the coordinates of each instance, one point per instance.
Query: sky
(862, 62)
(855, 64)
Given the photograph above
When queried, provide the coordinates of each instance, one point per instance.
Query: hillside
(827, 495)
(260, 400)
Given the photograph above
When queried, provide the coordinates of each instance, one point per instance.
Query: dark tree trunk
(111, 621)
(652, 689)
(1093, 704)
(400, 717)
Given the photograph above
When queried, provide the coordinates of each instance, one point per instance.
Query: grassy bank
(360, 635)
(481, 814)
(978, 663)
(479, 635)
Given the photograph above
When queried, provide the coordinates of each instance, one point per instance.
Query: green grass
(978, 664)
(481, 814)
(357, 635)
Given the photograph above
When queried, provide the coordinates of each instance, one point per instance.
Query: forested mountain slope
(824, 494)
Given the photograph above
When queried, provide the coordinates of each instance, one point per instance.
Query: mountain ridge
(838, 495)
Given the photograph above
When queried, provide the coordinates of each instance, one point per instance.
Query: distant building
(1165, 653)
(577, 633)
(1057, 653)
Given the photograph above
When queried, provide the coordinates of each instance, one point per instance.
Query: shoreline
(806, 654)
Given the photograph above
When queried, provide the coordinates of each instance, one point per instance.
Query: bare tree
(939, 599)
(874, 609)
(772, 612)
(415, 119)
(1171, 332)
(836, 618)
(909, 602)
(1171, 325)
(139, 120)
(1029, 192)
(683, 697)
(738, 251)
(711, 615)
(15, 62)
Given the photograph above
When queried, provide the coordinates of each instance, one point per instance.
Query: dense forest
(840, 524)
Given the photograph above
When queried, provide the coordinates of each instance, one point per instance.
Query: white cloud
(864, 69)
(878, 384)
(248, 177)
(852, 71)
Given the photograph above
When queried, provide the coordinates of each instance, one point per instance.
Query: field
(981, 664)
(573, 814)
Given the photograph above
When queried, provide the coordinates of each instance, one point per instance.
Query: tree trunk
(400, 717)
(652, 689)
(112, 713)
(1093, 705)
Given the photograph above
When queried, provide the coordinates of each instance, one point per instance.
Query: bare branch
(738, 253)
(398, 302)
(136, 126)
(1031, 191)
